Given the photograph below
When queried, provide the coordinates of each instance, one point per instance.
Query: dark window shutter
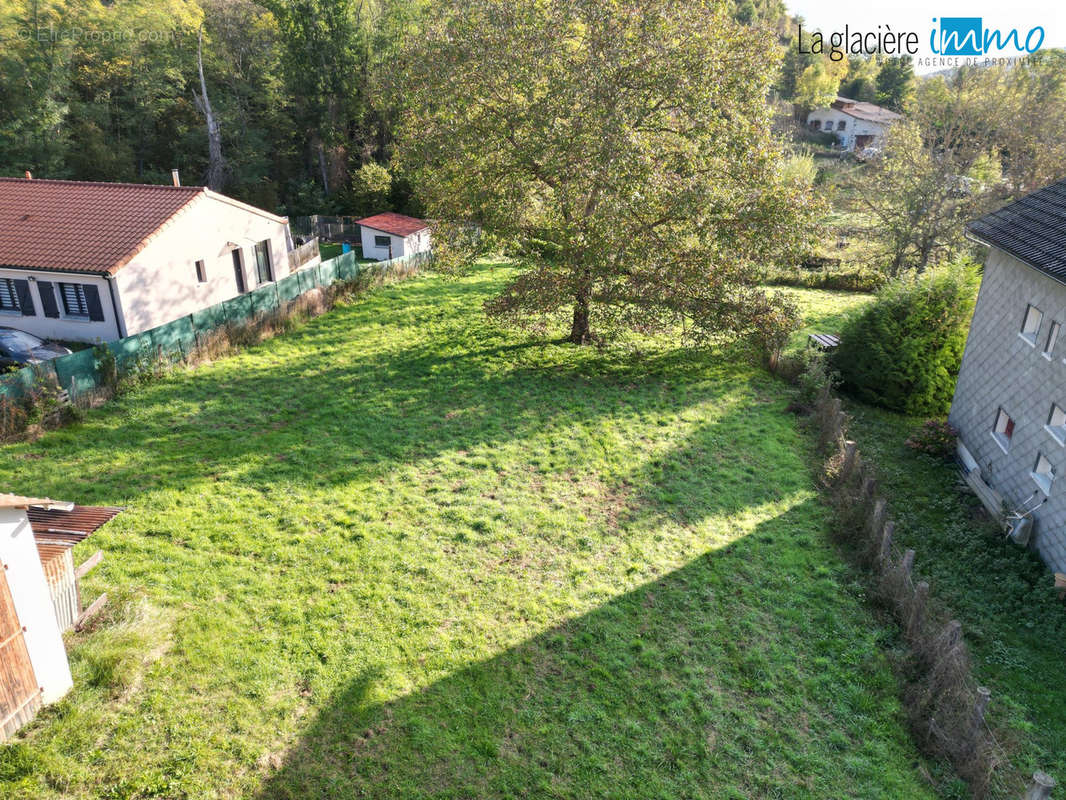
(92, 301)
(22, 289)
(48, 299)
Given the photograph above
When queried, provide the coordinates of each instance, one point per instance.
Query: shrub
(903, 350)
(847, 278)
(935, 438)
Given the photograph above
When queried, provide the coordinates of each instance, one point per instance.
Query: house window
(1056, 423)
(1031, 324)
(828, 125)
(814, 124)
(1003, 430)
(1043, 473)
(74, 303)
(201, 272)
(1052, 337)
(9, 299)
(262, 262)
(841, 125)
(382, 241)
(238, 270)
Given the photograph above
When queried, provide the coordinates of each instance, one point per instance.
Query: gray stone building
(1010, 400)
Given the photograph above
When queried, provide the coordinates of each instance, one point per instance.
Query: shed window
(1031, 324)
(9, 300)
(1003, 429)
(841, 125)
(382, 241)
(1043, 473)
(828, 125)
(74, 303)
(201, 272)
(1056, 423)
(262, 262)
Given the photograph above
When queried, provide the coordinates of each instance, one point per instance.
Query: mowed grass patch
(401, 552)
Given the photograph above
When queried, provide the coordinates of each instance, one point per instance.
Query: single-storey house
(857, 125)
(391, 235)
(1010, 400)
(38, 591)
(86, 261)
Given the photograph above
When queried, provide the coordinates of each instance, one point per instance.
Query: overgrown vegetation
(1012, 620)
(398, 551)
(903, 350)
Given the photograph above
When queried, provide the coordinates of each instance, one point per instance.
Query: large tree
(621, 149)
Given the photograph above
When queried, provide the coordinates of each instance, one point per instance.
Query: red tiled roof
(396, 224)
(78, 226)
(69, 527)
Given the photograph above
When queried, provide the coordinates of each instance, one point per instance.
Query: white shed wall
(33, 603)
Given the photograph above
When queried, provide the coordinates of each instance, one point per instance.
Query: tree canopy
(620, 150)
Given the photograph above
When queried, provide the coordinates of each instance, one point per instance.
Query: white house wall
(160, 284)
(67, 328)
(852, 126)
(33, 604)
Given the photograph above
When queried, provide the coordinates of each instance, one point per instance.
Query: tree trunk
(579, 329)
(216, 165)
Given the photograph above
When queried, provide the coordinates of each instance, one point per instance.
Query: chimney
(29, 175)
(174, 176)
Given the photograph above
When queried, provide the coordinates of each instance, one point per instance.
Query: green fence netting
(178, 338)
(77, 371)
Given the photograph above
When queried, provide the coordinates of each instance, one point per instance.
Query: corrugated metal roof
(396, 224)
(1032, 229)
(69, 527)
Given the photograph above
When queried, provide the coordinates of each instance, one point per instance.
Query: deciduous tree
(620, 149)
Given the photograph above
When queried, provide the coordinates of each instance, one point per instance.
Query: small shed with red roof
(390, 235)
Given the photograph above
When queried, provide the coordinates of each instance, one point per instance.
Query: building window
(1031, 324)
(238, 270)
(1052, 337)
(1003, 430)
(814, 124)
(9, 299)
(262, 262)
(201, 272)
(1043, 473)
(841, 125)
(828, 125)
(382, 241)
(1056, 423)
(74, 303)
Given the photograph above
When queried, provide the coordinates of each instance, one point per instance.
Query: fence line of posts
(947, 710)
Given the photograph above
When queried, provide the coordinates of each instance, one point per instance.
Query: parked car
(18, 348)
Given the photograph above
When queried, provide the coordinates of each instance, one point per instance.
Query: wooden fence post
(916, 620)
(1040, 788)
(848, 467)
(885, 552)
(907, 565)
(876, 520)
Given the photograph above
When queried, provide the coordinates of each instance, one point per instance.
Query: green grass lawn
(401, 552)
